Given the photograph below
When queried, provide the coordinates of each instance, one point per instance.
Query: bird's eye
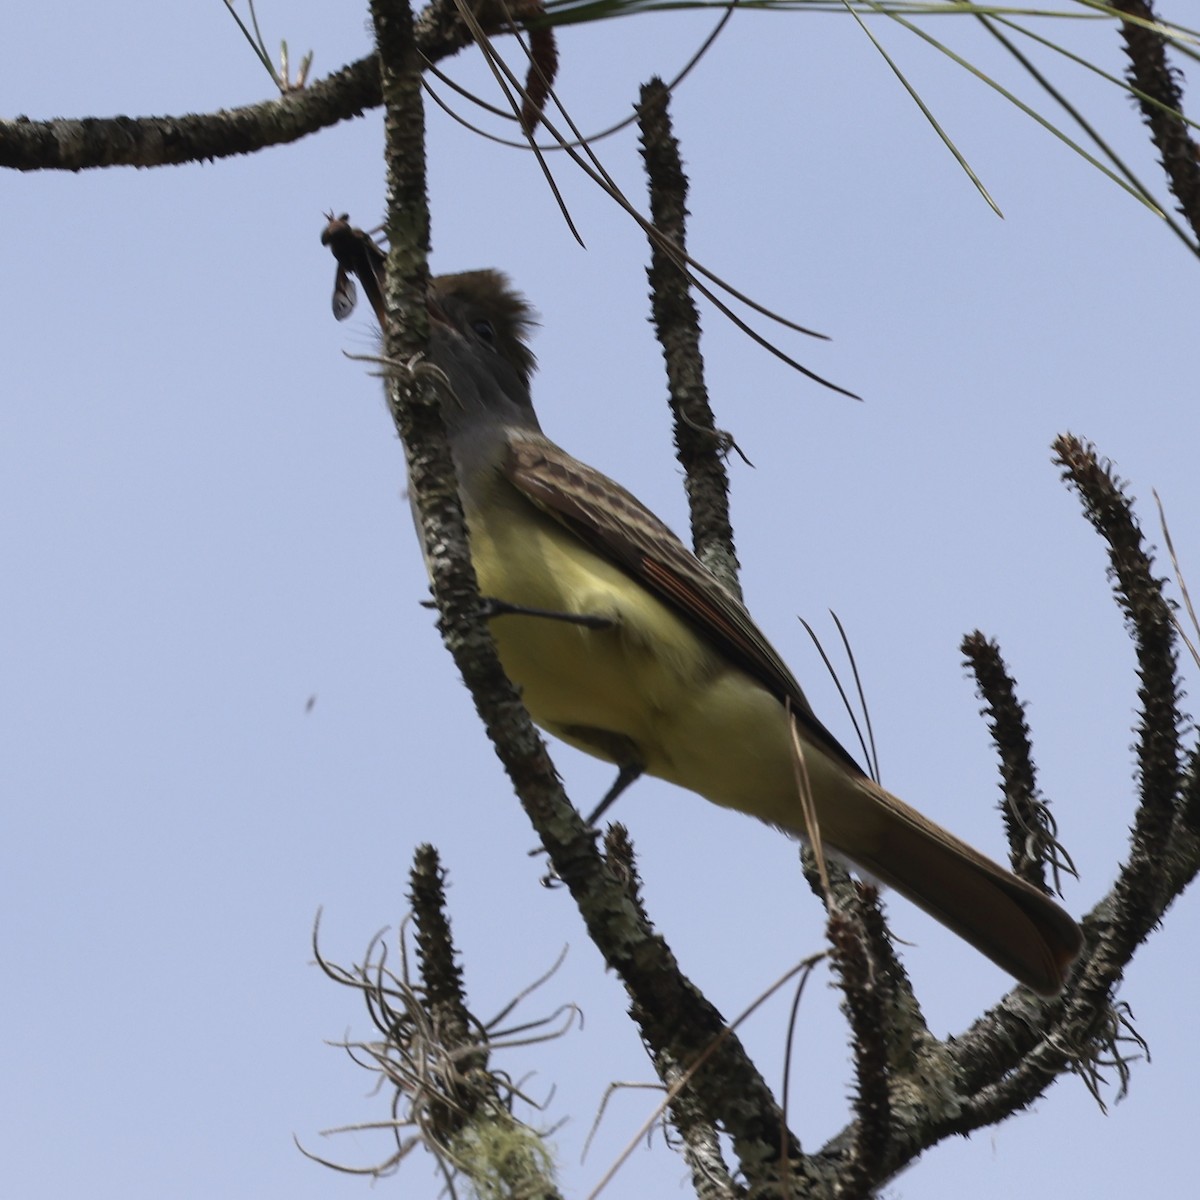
(485, 329)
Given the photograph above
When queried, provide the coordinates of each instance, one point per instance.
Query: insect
(358, 257)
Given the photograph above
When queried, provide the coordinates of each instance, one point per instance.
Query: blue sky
(203, 525)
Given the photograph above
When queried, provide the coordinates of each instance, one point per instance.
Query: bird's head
(483, 309)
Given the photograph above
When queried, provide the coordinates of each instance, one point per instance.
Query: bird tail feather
(1010, 921)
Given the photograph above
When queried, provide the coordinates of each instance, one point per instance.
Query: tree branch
(1150, 74)
(699, 447)
(1032, 834)
(80, 144)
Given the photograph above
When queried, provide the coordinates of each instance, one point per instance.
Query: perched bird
(624, 645)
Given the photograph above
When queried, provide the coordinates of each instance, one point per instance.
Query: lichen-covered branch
(698, 444)
(1032, 834)
(1148, 616)
(435, 1059)
(864, 1003)
(79, 144)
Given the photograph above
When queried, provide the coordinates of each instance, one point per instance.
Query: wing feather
(618, 526)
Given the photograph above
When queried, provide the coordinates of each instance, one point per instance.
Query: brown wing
(618, 526)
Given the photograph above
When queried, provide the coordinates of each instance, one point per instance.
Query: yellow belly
(650, 680)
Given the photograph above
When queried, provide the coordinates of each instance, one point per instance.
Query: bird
(625, 646)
